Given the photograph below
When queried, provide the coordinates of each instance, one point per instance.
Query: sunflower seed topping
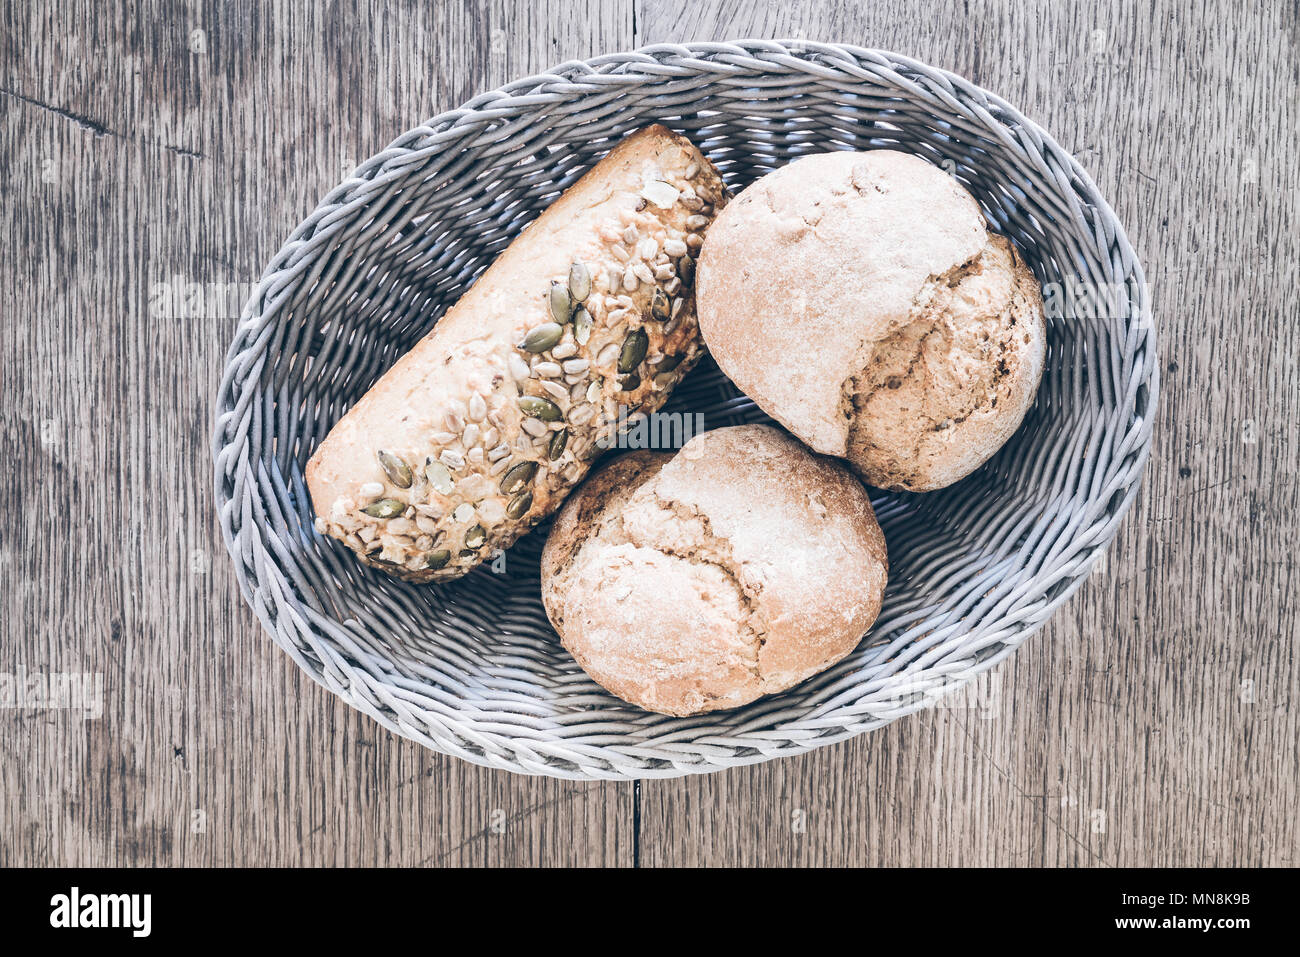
(608, 355)
(519, 370)
(660, 193)
(555, 388)
(582, 414)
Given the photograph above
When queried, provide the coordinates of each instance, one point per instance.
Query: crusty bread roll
(698, 581)
(860, 300)
(480, 431)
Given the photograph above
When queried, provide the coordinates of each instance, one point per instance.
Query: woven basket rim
(610, 72)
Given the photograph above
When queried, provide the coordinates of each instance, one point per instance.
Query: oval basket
(473, 668)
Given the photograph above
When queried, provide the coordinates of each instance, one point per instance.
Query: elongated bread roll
(480, 431)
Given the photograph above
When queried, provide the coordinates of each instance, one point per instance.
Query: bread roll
(480, 431)
(698, 581)
(860, 300)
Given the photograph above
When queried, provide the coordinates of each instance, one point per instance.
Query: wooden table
(153, 161)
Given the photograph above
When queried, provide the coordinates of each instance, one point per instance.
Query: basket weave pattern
(473, 668)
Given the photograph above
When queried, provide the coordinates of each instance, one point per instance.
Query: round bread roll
(861, 301)
(702, 580)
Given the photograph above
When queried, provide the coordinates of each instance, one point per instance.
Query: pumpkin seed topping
(660, 307)
(558, 442)
(539, 408)
(540, 338)
(581, 325)
(518, 476)
(438, 559)
(668, 363)
(519, 505)
(398, 472)
(475, 537)
(579, 281)
(633, 351)
(560, 304)
(385, 508)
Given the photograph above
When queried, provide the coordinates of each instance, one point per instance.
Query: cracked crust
(860, 300)
(698, 581)
(937, 399)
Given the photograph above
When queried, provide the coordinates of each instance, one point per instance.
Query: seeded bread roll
(480, 431)
(699, 581)
(861, 301)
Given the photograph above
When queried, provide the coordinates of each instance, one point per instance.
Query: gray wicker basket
(473, 668)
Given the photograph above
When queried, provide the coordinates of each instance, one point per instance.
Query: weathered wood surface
(147, 154)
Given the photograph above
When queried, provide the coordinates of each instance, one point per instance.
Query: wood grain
(151, 170)
(1153, 721)
(139, 154)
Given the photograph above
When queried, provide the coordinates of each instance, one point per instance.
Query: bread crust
(487, 391)
(700, 581)
(843, 277)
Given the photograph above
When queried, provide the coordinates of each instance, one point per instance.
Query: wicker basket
(473, 668)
